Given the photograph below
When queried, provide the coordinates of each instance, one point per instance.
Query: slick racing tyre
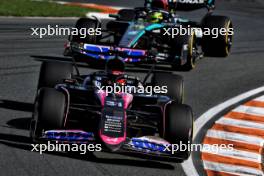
(178, 127)
(174, 84)
(52, 73)
(88, 24)
(126, 14)
(49, 112)
(217, 46)
(184, 46)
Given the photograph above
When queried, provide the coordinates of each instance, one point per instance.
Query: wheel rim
(192, 50)
(229, 38)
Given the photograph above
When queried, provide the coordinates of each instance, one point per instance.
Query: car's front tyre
(49, 112)
(52, 73)
(178, 127)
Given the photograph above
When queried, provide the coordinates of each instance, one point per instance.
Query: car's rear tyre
(174, 83)
(220, 46)
(178, 127)
(49, 112)
(88, 24)
(52, 73)
(183, 44)
(126, 14)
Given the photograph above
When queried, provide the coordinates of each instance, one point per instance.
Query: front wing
(146, 145)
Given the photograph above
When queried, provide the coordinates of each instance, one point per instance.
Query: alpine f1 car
(154, 26)
(70, 108)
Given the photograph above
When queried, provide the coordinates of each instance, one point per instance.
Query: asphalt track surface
(212, 82)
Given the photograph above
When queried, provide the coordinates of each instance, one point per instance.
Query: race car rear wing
(186, 5)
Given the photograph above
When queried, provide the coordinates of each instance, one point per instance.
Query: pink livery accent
(111, 140)
(127, 98)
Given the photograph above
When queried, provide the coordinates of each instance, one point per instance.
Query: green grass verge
(35, 8)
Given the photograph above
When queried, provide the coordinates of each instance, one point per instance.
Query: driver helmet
(115, 67)
(155, 17)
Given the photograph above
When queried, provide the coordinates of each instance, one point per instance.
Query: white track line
(188, 165)
(240, 123)
(98, 15)
(250, 110)
(235, 137)
(240, 170)
(260, 98)
(233, 153)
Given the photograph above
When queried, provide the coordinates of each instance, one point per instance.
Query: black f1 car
(154, 26)
(71, 108)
